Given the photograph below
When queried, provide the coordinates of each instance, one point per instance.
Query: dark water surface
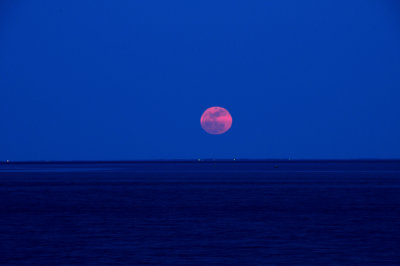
(313, 213)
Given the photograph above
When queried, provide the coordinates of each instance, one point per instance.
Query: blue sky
(126, 80)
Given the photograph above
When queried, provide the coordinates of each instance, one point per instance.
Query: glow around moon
(216, 120)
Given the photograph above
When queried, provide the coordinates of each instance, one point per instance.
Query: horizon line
(199, 160)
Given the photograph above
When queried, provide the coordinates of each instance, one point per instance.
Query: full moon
(216, 120)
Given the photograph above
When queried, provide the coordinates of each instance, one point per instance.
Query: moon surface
(216, 120)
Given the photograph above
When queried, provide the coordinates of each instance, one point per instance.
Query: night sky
(128, 80)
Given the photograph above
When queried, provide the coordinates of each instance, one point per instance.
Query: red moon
(216, 120)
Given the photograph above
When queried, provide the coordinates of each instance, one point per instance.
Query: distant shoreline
(208, 161)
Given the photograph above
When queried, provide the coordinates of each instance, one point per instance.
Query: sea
(204, 212)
